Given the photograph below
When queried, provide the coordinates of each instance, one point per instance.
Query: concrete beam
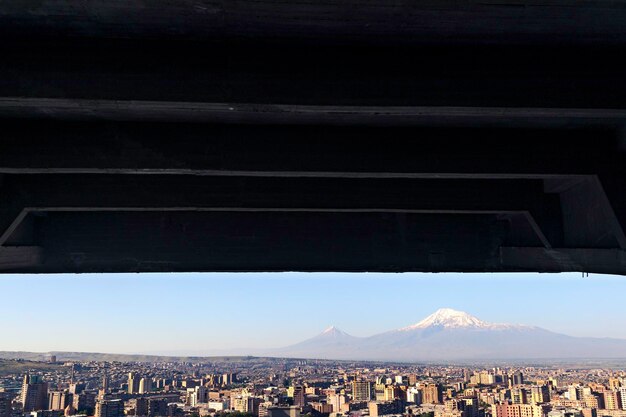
(15, 259)
(601, 261)
(539, 21)
(262, 113)
(266, 83)
(54, 147)
(165, 193)
(265, 241)
(588, 218)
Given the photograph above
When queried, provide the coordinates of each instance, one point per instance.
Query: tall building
(413, 395)
(614, 384)
(133, 383)
(76, 388)
(592, 401)
(517, 410)
(34, 394)
(84, 402)
(246, 404)
(157, 407)
(109, 408)
(517, 378)
(298, 396)
(145, 385)
(102, 393)
(5, 404)
(240, 404)
(470, 407)
(336, 400)
(612, 400)
(393, 392)
(199, 394)
(191, 397)
(229, 378)
(572, 393)
(59, 400)
(220, 405)
(431, 394)
(361, 391)
(379, 391)
(539, 394)
(377, 408)
(466, 375)
(622, 397)
(519, 395)
(553, 382)
(486, 378)
(140, 405)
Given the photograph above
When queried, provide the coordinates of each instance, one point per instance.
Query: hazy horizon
(182, 313)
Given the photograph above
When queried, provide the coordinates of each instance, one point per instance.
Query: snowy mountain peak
(447, 317)
(332, 331)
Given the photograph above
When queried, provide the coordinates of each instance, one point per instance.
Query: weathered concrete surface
(470, 21)
(322, 136)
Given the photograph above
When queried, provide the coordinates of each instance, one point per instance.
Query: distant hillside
(115, 357)
(8, 366)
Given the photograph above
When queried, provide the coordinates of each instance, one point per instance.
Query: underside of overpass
(338, 135)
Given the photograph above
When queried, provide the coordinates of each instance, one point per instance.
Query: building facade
(34, 394)
(109, 408)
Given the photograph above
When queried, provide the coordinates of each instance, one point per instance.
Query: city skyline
(284, 387)
(141, 313)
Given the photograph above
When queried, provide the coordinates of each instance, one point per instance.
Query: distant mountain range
(447, 335)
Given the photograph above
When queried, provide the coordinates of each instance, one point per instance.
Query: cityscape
(445, 362)
(288, 387)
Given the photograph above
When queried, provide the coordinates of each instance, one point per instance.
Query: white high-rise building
(622, 394)
(336, 400)
(145, 385)
(133, 383)
(414, 395)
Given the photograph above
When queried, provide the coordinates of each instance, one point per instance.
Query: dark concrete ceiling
(322, 136)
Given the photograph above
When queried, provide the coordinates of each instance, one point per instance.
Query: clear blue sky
(197, 312)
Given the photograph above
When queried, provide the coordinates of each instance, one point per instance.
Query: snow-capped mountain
(449, 318)
(449, 334)
(334, 332)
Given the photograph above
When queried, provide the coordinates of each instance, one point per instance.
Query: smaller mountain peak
(331, 329)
